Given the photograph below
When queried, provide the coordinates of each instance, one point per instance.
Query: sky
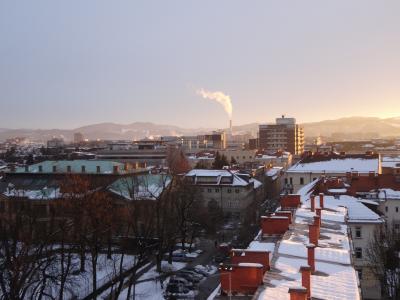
(64, 64)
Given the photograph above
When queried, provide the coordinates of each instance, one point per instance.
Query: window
(237, 191)
(217, 190)
(301, 180)
(358, 232)
(397, 226)
(386, 208)
(358, 252)
(83, 169)
(291, 180)
(69, 169)
(54, 169)
(359, 272)
(286, 181)
(397, 209)
(229, 191)
(209, 190)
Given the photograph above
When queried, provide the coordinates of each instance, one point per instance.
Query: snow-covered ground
(149, 286)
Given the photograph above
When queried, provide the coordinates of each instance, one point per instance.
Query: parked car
(198, 270)
(180, 256)
(190, 276)
(178, 292)
(193, 272)
(177, 280)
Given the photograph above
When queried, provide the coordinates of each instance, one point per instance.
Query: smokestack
(230, 127)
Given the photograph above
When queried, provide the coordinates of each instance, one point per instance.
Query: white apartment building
(310, 169)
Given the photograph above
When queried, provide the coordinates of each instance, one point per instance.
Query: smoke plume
(220, 97)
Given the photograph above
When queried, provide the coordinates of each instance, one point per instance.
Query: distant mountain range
(344, 128)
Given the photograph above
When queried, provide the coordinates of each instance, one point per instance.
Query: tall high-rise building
(285, 135)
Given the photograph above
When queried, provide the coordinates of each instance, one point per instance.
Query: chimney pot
(317, 220)
(306, 279)
(318, 211)
(311, 257)
(321, 200)
(313, 234)
(298, 293)
(312, 199)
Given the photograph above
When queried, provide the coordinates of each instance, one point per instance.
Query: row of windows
(237, 191)
(301, 181)
(387, 209)
(244, 157)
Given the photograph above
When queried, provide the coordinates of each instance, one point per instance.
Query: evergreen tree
(220, 161)
(217, 164)
(224, 161)
(201, 165)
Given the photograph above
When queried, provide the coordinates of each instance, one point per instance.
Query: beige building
(241, 156)
(232, 192)
(362, 223)
(285, 135)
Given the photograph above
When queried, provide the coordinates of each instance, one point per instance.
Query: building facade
(231, 192)
(285, 135)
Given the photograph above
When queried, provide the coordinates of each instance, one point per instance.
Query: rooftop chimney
(313, 234)
(312, 200)
(284, 213)
(311, 257)
(306, 279)
(321, 200)
(274, 225)
(298, 293)
(317, 222)
(319, 214)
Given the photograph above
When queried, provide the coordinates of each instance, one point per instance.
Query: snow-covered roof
(148, 186)
(388, 194)
(335, 276)
(257, 183)
(390, 162)
(43, 194)
(61, 166)
(273, 172)
(338, 191)
(216, 177)
(361, 165)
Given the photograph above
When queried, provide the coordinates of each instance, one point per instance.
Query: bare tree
(26, 257)
(383, 254)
